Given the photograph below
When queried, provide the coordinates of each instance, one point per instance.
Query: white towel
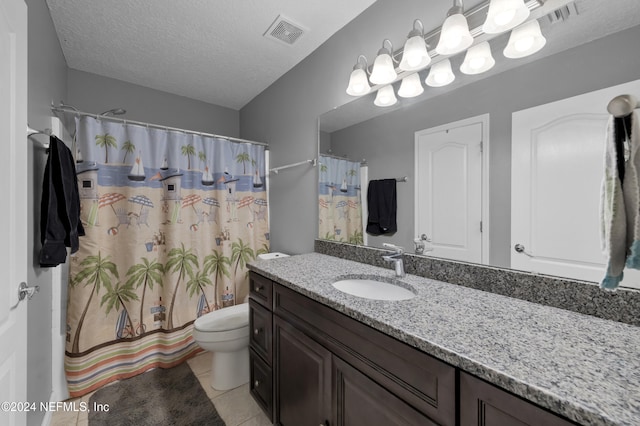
(620, 207)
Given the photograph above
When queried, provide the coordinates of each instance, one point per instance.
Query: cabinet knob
(256, 331)
(258, 288)
(256, 383)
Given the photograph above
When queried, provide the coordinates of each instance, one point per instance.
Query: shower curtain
(340, 210)
(171, 220)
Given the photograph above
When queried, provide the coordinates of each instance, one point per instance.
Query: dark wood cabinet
(359, 401)
(260, 330)
(312, 365)
(261, 342)
(302, 371)
(421, 381)
(482, 404)
(261, 382)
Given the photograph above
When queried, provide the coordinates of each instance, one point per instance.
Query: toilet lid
(223, 320)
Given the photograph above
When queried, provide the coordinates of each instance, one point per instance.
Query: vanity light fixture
(454, 36)
(478, 59)
(461, 28)
(504, 15)
(440, 74)
(414, 55)
(358, 82)
(525, 40)
(410, 86)
(383, 71)
(385, 97)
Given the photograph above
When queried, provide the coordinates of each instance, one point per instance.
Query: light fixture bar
(475, 18)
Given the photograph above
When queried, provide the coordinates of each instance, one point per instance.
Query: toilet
(225, 333)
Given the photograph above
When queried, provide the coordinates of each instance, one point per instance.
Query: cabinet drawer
(260, 289)
(261, 383)
(484, 404)
(260, 322)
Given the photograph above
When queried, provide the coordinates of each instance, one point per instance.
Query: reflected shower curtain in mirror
(340, 209)
(171, 220)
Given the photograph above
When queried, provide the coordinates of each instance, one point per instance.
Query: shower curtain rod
(155, 126)
(338, 157)
(275, 170)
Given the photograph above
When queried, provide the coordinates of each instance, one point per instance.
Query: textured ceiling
(211, 50)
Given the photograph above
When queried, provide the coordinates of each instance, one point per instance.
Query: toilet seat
(225, 319)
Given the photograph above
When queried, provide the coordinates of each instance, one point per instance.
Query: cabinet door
(483, 404)
(359, 401)
(302, 371)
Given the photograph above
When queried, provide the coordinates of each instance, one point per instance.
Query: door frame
(483, 120)
(15, 252)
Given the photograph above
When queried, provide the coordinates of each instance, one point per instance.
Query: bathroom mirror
(577, 59)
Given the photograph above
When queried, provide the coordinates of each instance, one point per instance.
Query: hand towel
(60, 224)
(620, 200)
(382, 202)
(631, 189)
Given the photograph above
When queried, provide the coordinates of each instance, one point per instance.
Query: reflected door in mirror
(449, 190)
(557, 169)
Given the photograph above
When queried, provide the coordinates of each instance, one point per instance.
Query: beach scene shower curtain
(340, 209)
(171, 220)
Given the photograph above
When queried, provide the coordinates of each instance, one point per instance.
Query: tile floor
(236, 407)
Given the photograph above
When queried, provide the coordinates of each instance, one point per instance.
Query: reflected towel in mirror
(382, 202)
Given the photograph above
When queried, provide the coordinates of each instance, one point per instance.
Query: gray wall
(94, 93)
(47, 83)
(285, 115)
(387, 142)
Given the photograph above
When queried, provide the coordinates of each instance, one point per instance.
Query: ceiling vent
(564, 13)
(284, 31)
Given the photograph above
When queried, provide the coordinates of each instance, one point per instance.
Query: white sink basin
(372, 289)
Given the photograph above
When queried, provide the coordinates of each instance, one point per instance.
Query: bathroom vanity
(451, 355)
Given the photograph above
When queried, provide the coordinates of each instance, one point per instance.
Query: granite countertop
(581, 367)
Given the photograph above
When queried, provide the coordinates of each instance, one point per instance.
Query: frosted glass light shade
(525, 40)
(410, 86)
(504, 15)
(440, 74)
(385, 97)
(454, 36)
(478, 59)
(415, 55)
(358, 83)
(383, 70)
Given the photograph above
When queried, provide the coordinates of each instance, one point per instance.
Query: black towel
(381, 197)
(60, 223)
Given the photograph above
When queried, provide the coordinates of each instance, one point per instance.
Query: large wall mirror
(593, 49)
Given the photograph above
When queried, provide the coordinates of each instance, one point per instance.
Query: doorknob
(25, 291)
(519, 248)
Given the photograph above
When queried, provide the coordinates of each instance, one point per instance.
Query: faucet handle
(398, 249)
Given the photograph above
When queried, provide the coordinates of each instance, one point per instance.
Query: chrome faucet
(396, 258)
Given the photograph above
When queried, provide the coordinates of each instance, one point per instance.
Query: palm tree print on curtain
(165, 246)
(339, 206)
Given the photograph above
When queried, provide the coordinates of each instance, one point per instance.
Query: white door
(557, 167)
(13, 214)
(449, 189)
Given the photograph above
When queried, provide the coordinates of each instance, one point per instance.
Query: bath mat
(158, 397)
